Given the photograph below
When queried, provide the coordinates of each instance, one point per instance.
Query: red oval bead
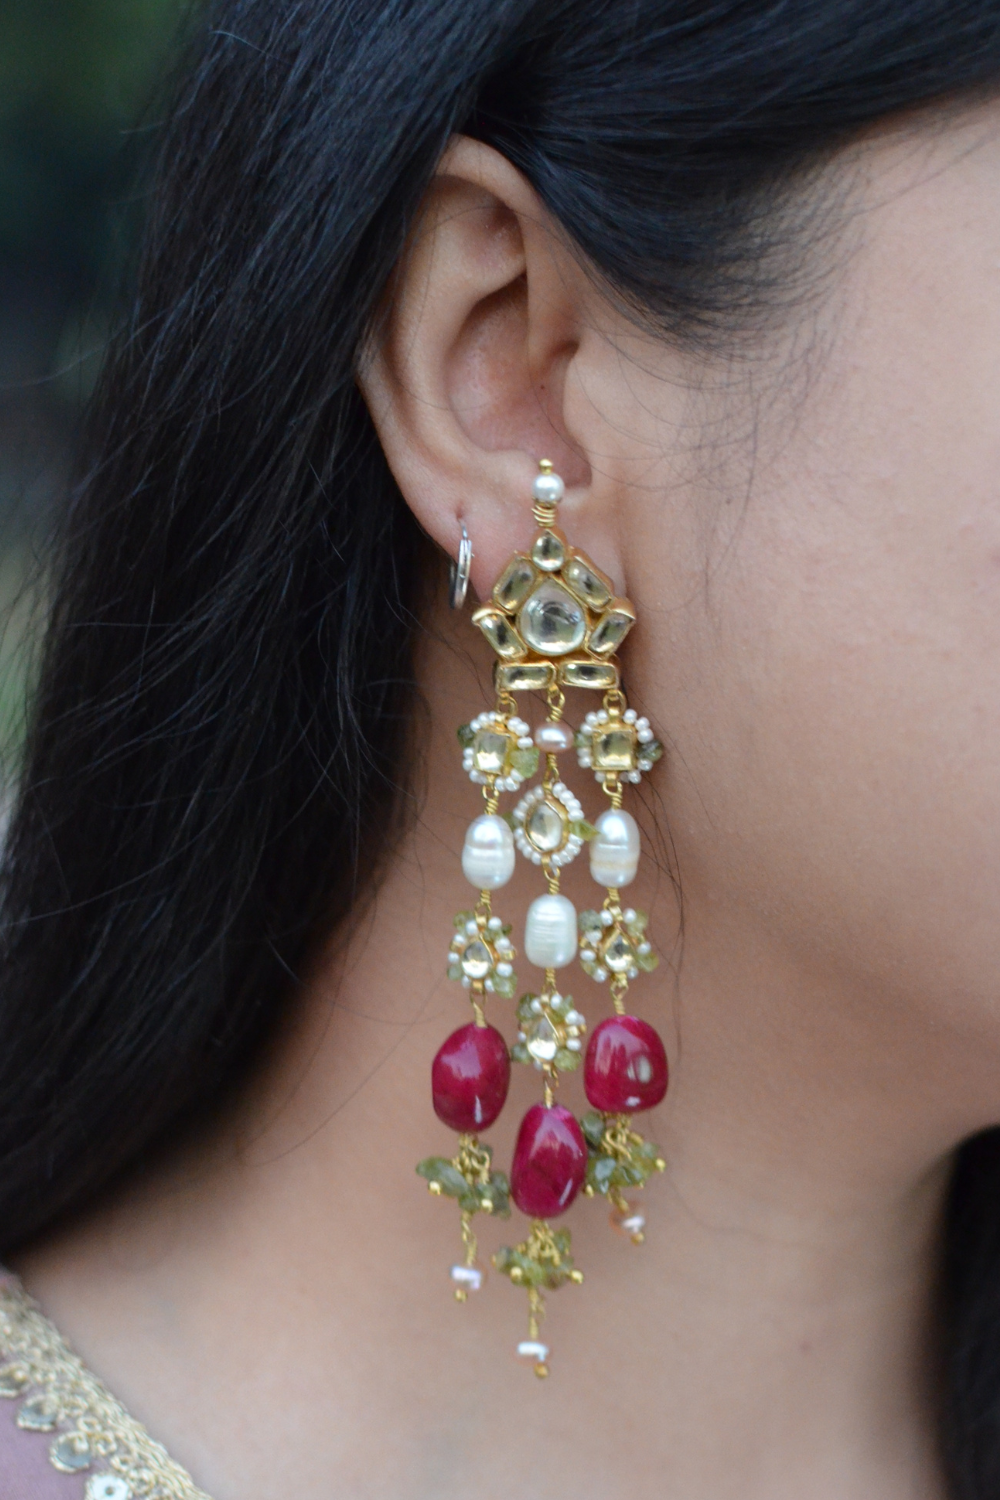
(626, 1066)
(550, 1161)
(470, 1077)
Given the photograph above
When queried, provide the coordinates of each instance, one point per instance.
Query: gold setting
(553, 619)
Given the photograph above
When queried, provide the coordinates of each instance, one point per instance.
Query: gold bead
(660, 1164)
(461, 1296)
(576, 1277)
(516, 1275)
(542, 1371)
(435, 1188)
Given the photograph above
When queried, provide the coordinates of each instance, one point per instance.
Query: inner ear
(488, 375)
(498, 399)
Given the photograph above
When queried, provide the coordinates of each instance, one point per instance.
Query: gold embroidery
(91, 1430)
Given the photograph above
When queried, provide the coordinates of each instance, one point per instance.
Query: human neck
(274, 1303)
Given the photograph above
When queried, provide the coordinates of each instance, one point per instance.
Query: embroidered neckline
(91, 1431)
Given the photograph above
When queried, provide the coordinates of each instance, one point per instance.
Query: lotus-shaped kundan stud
(553, 620)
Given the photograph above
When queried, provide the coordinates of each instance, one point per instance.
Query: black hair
(212, 777)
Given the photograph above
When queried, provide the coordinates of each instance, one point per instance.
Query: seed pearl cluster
(522, 817)
(597, 720)
(493, 720)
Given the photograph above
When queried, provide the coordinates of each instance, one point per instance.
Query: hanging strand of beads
(626, 1063)
(470, 1075)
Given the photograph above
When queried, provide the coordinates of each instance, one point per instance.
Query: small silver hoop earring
(459, 572)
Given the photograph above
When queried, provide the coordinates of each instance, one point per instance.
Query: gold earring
(553, 621)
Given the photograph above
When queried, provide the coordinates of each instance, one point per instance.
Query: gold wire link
(471, 1252)
(556, 700)
(473, 1161)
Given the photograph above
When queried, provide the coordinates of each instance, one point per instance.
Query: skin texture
(809, 526)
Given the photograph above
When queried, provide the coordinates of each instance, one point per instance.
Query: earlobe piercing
(553, 621)
(459, 572)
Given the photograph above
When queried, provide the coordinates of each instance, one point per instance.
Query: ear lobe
(465, 381)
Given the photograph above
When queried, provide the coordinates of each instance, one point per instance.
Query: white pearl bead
(488, 854)
(550, 932)
(549, 489)
(614, 854)
(552, 738)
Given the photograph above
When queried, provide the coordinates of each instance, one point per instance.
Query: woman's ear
(466, 377)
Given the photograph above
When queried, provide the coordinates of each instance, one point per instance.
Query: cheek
(832, 687)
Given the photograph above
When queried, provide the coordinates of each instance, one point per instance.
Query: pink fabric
(25, 1471)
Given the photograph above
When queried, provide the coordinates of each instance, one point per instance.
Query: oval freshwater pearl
(470, 1077)
(625, 1069)
(550, 932)
(488, 853)
(614, 854)
(552, 738)
(550, 1161)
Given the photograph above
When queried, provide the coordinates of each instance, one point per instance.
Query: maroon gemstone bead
(470, 1077)
(626, 1066)
(550, 1161)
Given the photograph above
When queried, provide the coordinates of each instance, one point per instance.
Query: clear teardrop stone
(476, 961)
(543, 1044)
(552, 621)
(545, 829)
(548, 552)
(618, 954)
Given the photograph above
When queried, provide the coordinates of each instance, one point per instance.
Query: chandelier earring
(554, 622)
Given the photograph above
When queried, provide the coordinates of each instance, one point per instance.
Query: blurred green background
(76, 82)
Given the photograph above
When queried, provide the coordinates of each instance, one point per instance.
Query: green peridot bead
(525, 762)
(583, 830)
